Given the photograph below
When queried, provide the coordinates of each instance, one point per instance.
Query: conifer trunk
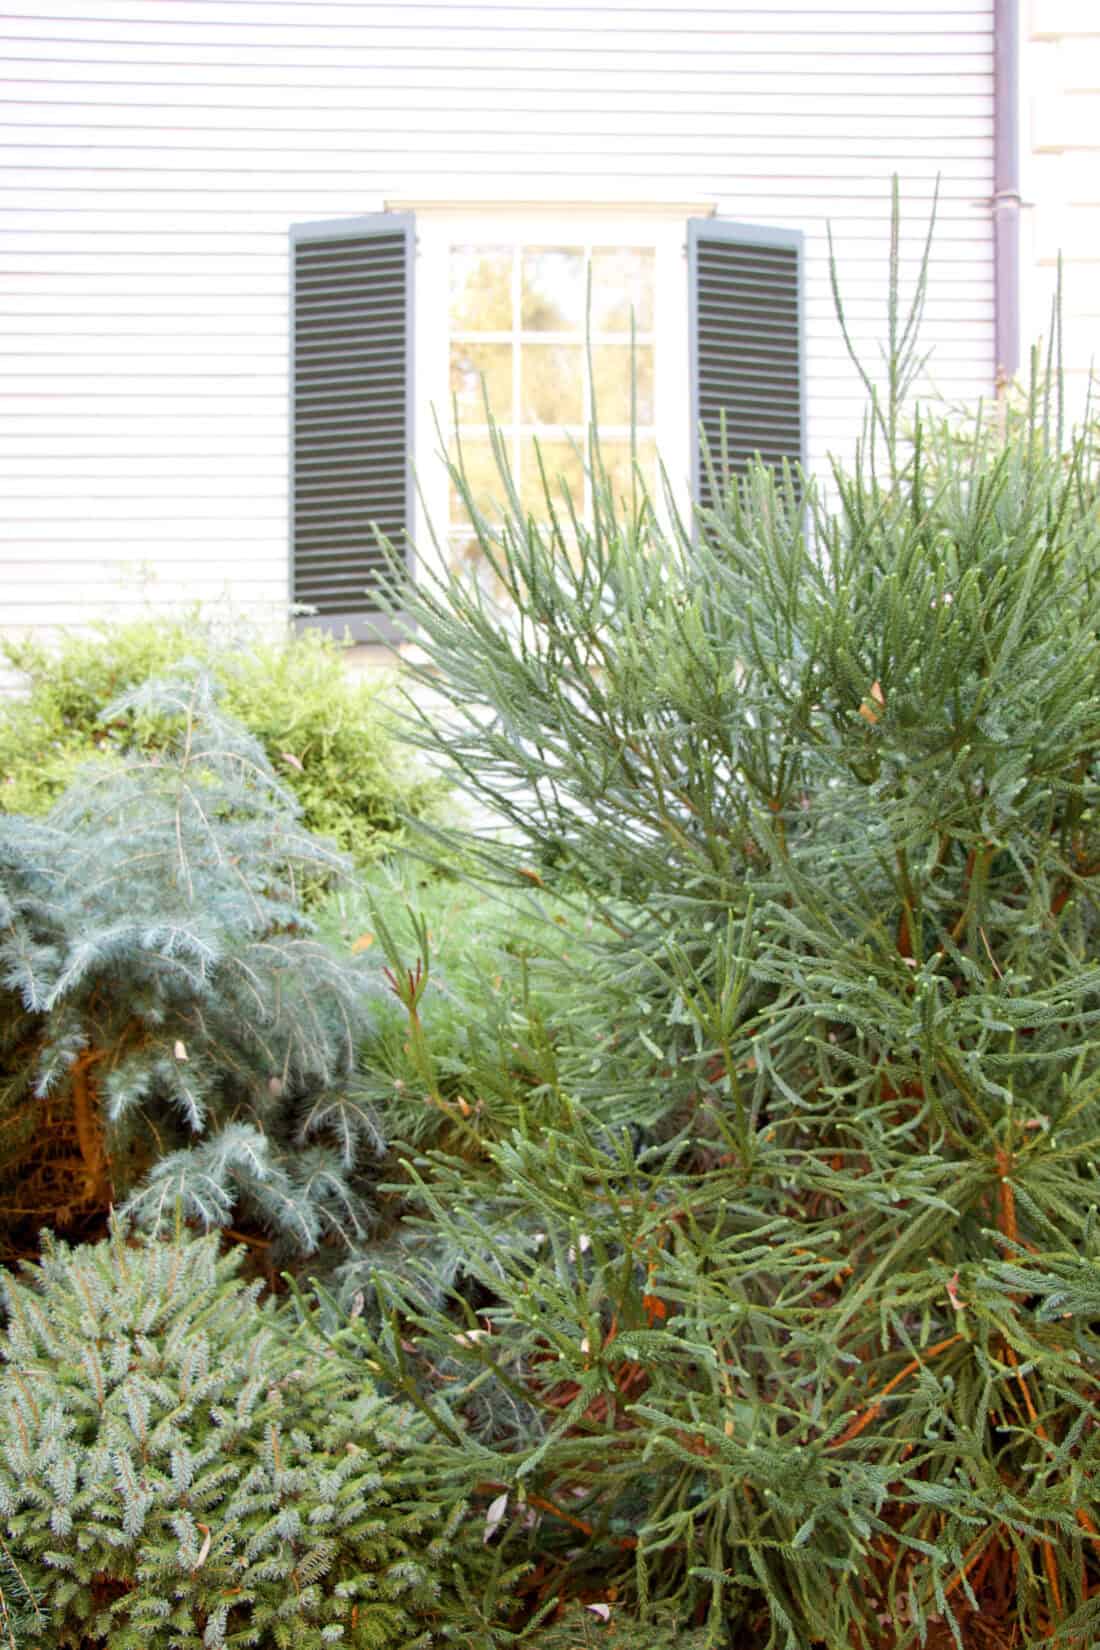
(90, 1133)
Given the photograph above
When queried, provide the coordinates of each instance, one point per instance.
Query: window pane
(611, 382)
(481, 288)
(468, 363)
(622, 278)
(552, 289)
(616, 461)
(559, 460)
(482, 477)
(465, 551)
(552, 383)
(468, 563)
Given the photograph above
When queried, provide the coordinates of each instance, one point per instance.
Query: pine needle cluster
(780, 1308)
(164, 999)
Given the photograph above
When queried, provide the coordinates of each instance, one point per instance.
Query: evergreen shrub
(174, 1474)
(780, 1310)
(170, 1025)
(329, 734)
(598, 1626)
(484, 1041)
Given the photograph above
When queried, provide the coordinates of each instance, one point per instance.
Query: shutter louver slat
(747, 389)
(351, 417)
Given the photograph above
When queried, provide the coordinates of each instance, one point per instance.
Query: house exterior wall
(1060, 181)
(156, 151)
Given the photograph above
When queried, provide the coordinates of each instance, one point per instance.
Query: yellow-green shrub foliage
(327, 732)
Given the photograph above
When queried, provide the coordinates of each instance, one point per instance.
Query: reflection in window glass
(622, 281)
(482, 477)
(471, 366)
(552, 289)
(470, 565)
(617, 463)
(518, 328)
(481, 288)
(564, 467)
(552, 383)
(611, 372)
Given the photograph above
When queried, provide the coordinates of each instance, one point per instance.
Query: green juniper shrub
(479, 1048)
(174, 1473)
(328, 733)
(167, 1013)
(784, 1315)
(602, 1626)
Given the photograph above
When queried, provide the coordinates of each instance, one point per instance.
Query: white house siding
(155, 152)
(1060, 180)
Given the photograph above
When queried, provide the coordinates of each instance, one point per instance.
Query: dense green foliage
(162, 988)
(174, 1474)
(327, 733)
(484, 1043)
(600, 1626)
(776, 1308)
(739, 1260)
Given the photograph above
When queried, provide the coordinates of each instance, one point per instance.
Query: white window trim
(440, 224)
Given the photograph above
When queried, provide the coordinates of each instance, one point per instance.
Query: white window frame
(441, 225)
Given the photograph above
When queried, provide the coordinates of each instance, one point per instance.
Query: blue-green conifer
(168, 1017)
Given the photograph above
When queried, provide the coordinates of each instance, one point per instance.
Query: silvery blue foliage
(155, 958)
(205, 1480)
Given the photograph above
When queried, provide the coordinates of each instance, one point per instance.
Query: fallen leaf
(601, 1610)
(493, 1517)
(204, 1549)
(292, 761)
(363, 943)
(180, 1049)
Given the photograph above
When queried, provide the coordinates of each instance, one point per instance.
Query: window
(399, 321)
(542, 333)
(522, 295)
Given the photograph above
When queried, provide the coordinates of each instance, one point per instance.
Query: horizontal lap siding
(154, 153)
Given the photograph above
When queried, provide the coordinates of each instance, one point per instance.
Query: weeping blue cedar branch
(161, 982)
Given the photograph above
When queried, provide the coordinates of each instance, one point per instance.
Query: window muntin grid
(518, 327)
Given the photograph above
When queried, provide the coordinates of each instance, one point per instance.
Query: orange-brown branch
(863, 1421)
(1041, 1432)
(1006, 1198)
(559, 1512)
(980, 1553)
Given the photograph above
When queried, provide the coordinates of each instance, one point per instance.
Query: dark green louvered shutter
(747, 391)
(351, 413)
